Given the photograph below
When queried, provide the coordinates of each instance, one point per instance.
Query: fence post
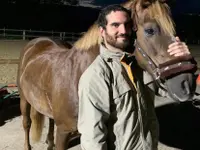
(24, 35)
(72, 37)
(61, 36)
(52, 34)
(4, 32)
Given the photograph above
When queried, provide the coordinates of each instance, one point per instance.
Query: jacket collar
(111, 54)
(117, 55)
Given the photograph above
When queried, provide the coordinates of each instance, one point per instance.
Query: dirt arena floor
(179, 127)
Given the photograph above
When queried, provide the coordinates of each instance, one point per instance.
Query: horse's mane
(156, 10)
(90, 39)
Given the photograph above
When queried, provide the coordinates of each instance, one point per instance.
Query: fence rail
(30, 34)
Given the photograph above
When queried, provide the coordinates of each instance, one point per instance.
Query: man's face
(118, 29)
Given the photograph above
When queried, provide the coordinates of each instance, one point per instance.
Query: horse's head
(155, 31)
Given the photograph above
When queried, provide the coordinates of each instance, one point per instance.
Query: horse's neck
(93, 50)
(85, 57)
(63, 44)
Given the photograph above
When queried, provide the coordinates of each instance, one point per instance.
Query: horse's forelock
(159, 11)
(146, 3)
(90, 39)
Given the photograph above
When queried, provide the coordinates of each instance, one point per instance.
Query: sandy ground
(12, 137)
(9, 50)
(11, 131)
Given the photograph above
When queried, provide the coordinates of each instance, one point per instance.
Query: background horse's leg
(25, 111)
(36, 125)
(62, 139)
(50, 135)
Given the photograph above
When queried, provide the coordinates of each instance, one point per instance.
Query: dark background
(47, 17)
(52, 15)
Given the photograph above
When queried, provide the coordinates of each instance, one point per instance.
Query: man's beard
(113, 42)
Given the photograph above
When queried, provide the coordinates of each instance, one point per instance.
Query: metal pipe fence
(15, 34)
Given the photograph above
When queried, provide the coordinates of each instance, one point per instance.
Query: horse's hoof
(28, 147)
(51, 148)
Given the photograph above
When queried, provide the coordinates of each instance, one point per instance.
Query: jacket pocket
(122, 87)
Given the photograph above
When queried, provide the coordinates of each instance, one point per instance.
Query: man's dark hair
(102, 21)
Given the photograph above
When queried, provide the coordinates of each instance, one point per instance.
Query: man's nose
(122, 29)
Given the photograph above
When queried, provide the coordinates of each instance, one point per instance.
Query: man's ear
(101, 29)
(102, 32)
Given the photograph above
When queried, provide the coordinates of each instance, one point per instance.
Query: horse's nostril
(186, 87)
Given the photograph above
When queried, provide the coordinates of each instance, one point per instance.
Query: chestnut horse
(49, 73)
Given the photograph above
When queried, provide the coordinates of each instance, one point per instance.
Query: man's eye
(115, 24)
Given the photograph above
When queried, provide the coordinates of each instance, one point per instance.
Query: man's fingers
(178, 39)
(175, 44)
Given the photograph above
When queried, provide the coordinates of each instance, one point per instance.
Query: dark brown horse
(48, 73)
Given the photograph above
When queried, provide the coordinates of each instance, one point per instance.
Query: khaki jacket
(115, 113)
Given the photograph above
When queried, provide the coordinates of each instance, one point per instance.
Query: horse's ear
(128, 5)
(146, 3)
(163, 1)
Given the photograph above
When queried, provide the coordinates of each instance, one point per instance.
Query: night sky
(179, 6)
(187, 6)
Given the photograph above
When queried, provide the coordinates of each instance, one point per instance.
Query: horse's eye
(149, 32)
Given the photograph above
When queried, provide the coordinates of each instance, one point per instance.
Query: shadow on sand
(9, 109)
(179, 125)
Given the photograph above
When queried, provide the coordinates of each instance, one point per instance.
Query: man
(113, 111)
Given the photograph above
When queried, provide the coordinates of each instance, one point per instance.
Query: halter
(162, 71)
